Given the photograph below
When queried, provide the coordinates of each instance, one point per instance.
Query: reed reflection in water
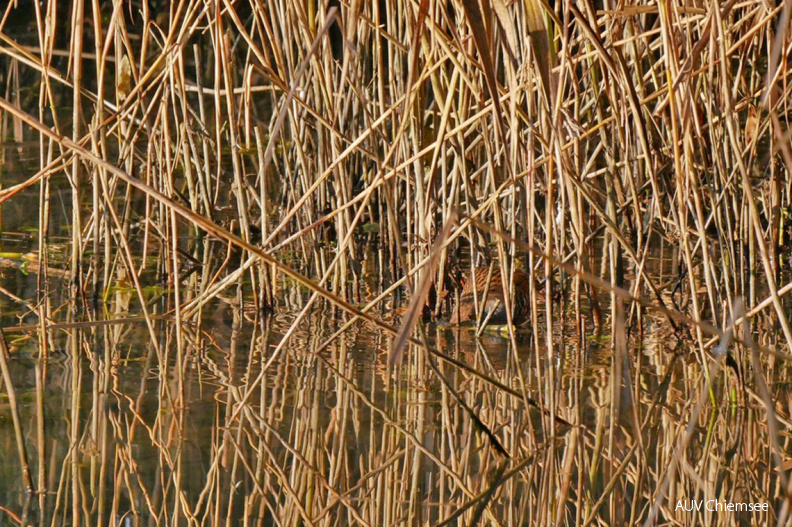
(324, 434)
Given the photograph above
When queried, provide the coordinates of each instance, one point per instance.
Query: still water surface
(254, 420)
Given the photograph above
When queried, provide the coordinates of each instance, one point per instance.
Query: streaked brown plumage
(465, 311)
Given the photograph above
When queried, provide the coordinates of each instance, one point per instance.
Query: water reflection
(124, 430)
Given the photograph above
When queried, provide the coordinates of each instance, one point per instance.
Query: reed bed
(234, 199)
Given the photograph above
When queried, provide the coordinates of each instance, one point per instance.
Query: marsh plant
(233, 233)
